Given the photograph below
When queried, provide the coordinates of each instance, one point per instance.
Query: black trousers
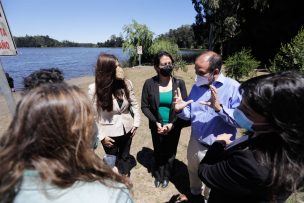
(121, 149)
(165, 147)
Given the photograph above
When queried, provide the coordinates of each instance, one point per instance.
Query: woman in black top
(156, 104)
(269, 165)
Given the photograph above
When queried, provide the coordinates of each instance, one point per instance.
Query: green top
(165, 102)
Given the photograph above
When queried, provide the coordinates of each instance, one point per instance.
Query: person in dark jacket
(268, 164)
(10, 81)
(156, 104)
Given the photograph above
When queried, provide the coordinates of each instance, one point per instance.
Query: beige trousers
(195, 153)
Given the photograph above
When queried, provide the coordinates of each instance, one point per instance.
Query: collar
(221, 78)
(30, 173)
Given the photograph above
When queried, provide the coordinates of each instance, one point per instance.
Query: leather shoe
(156, 183)
(165, 183)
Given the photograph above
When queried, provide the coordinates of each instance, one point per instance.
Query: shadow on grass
(180, 176)
(145, 157)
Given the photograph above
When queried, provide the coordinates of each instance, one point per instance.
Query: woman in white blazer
(117, 110)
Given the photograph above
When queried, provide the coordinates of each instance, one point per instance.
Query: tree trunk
(211, 38)
(221, 49)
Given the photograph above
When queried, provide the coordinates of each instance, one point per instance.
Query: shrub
(290, 55)
(181, 64)
(165, 45)
(241, 64)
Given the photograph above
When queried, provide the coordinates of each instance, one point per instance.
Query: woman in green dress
(165, 126)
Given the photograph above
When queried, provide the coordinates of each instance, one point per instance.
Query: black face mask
(166, 71)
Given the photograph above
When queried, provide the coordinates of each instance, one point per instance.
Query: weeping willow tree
(137, 34)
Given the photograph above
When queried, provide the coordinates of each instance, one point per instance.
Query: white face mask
(201, 80)
(120, 75)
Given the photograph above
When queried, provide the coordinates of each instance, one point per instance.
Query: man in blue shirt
(210, 107)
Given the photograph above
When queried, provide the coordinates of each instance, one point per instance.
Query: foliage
(290, 55)
(220, 19)
(114, 41)
(36, 41)
(200, 28)
(137, 35)
(46, 41)
(266, 24)
(181, 64)
(165, 45)
(183, 36)
(262, 25)
(241, 64)
(66, 43)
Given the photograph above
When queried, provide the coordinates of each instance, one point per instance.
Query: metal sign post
(139, 52)
(6, 90)
(7, 48)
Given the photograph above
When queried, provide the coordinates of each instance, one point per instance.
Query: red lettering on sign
(4, 45)
(2, 32)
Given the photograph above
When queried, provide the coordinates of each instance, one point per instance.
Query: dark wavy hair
(51, 132)
(106, 83)
(279, 98)
(156, 60)
(43, 76)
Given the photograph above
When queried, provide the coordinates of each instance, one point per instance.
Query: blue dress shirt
(206, 124)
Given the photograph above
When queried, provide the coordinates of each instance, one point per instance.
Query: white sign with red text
(7, 45)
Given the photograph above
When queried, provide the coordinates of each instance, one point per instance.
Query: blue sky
(94, 20)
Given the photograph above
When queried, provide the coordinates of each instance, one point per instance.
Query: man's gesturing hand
(213, 102)
(178, 102)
